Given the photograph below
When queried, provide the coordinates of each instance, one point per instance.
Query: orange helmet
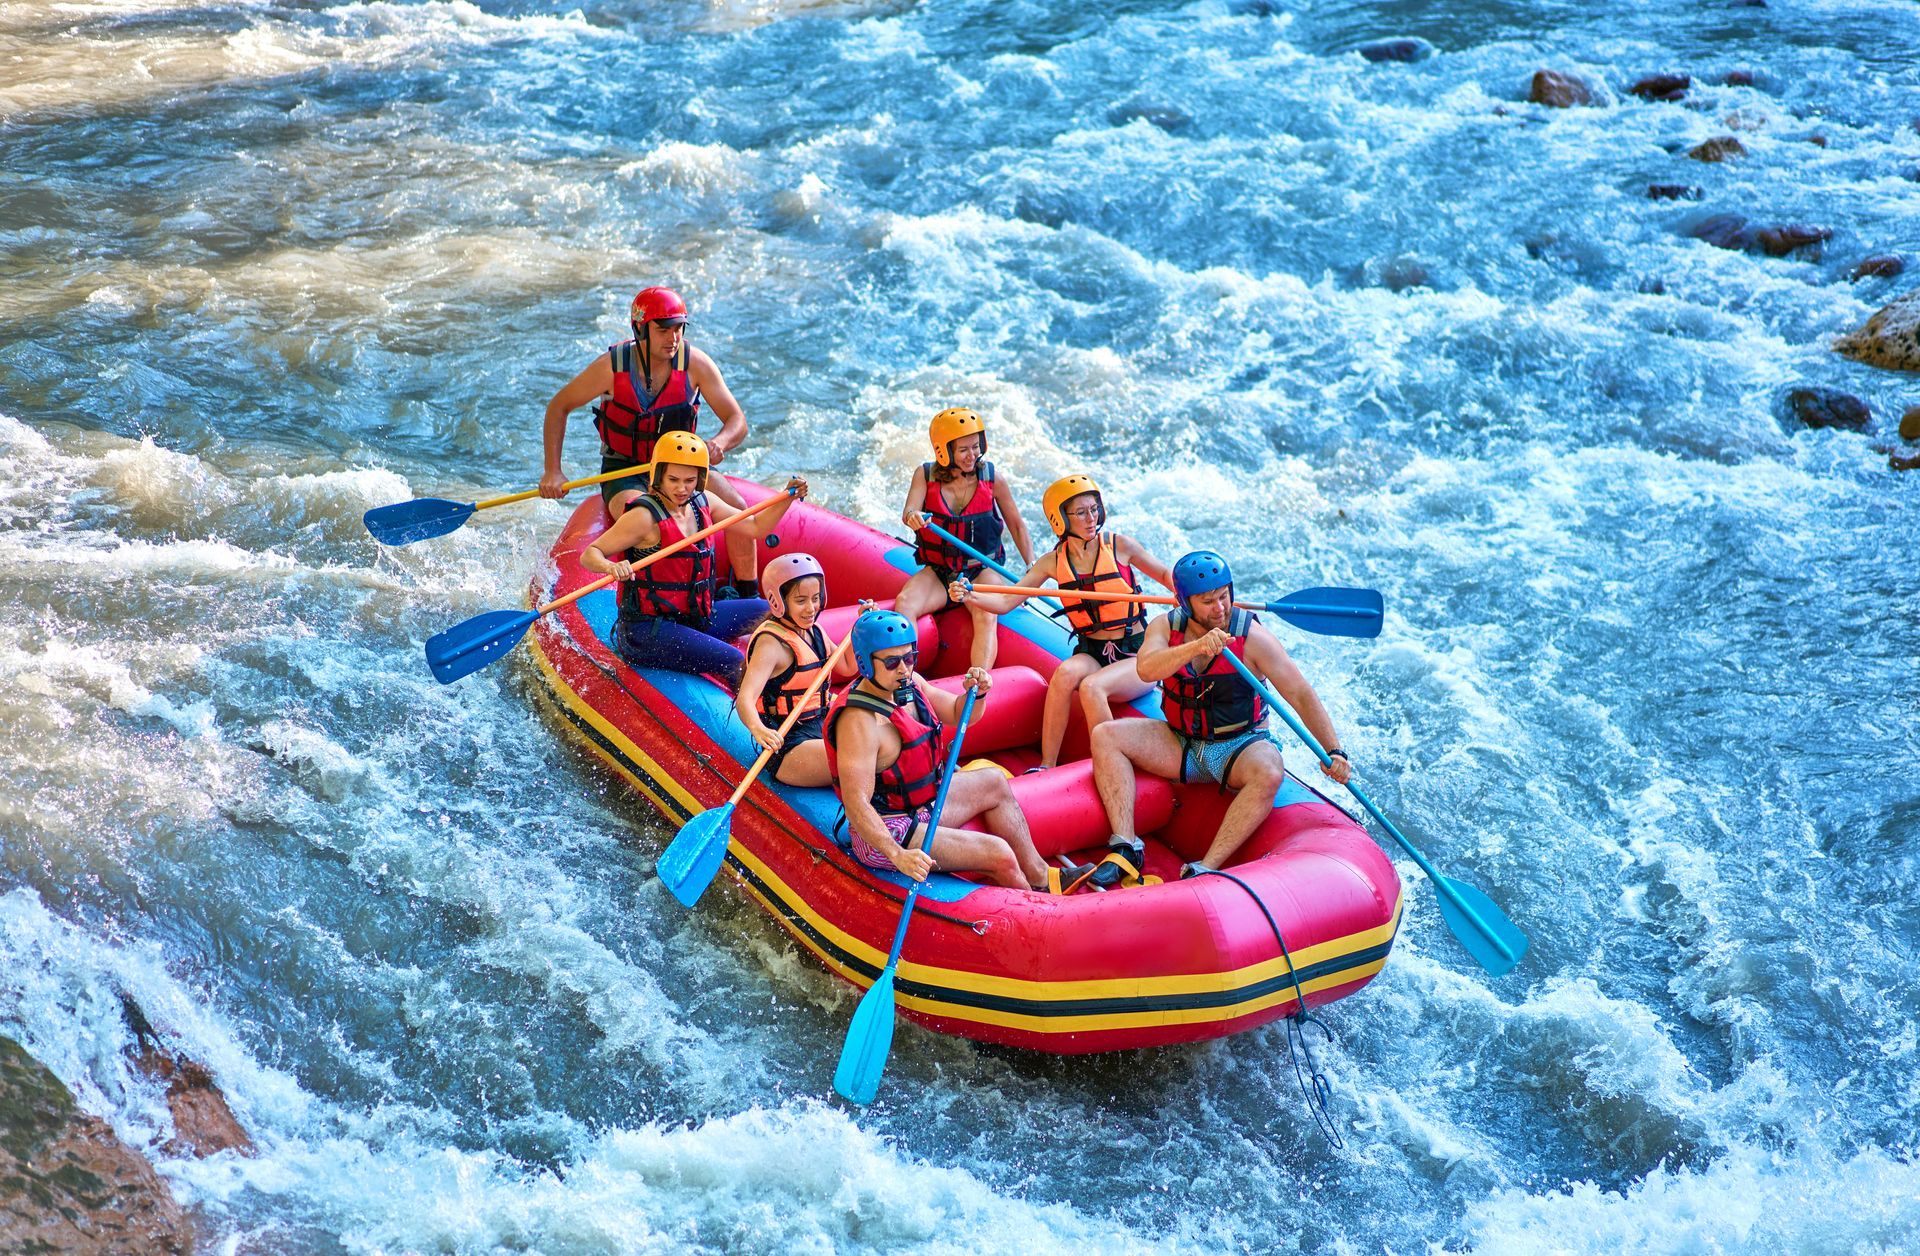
(949, 426)
(680, 449)
(1053, 503)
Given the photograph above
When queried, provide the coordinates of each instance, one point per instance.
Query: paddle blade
(1333, 612)
(403, 523)
(694, 855)
(1485, 930)
(869, 1040)
(471, 645)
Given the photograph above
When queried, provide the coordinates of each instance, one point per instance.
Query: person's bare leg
(1066, 678)
(1116, 682)
(922, 594)
(1121, 746)
(963, 850)
(618, 503)
(806, 765)
(984, 793)
(1257, 774)
(986, 635)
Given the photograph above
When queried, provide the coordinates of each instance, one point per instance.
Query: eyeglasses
(906, 660)
(1085, 512)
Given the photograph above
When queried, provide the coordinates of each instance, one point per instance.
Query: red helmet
(658, 305)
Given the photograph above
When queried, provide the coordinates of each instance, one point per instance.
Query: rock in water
(1910, 424)
(202, 1122)
(67, 1182)
(1890, 339)
(1900, 462)
(1738, 78)
(1662, 87)
(1672, 192)
(1879, 266)
(1559, 91)
(1407, 49)
(1723, 231)
(1825, 407)
(1719, 148)
(1784, 239)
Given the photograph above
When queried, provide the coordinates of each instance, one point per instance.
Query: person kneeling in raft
(784, 655)
(1215, 726)
(668, 616)
(1106, 635)
(884, 753)
(959, 491)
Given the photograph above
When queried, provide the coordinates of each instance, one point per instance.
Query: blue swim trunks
(1213, 760)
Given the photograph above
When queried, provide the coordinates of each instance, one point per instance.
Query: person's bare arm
(765, 656)
(857, 752)
(1127, 550)
(581, 389)
(916, 500)
(1159, 658)
(634, 530)
(1270, 659)
(947, 705)
(704, 374)
(1016, 526)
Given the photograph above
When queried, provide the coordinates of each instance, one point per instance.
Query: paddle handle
(793, 717)
(1440, 883)
(1004, 572)
(933, 819)
(568, 487)
(664, 552)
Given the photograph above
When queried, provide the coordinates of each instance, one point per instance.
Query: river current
(1647, 678)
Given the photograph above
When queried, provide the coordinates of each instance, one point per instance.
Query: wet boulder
(1718, 149)
(1408, 48)
(1662, 87)
(1778, 241)
(1723, 231)
(1559, 91)
(1903, 462)
(203, 1123)
(1824, 407)
(1910, 424)
(1890, 339)
(1738, 78)
(1672, 192)
(1879, 266)
(67, 1182)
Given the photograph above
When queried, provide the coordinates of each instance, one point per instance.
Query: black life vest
(978, 523)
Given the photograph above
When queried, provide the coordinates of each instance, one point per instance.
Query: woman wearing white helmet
(784, 655)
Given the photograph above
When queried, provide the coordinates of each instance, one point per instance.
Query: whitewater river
(1648, 675)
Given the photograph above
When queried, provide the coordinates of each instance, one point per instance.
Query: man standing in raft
(668, 615)
(959, 491)
(784, 655)
(1106, 635)
(647, 387)
(885, 753)
(1215, 726)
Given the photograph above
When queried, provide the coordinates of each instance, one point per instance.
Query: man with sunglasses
(886, 738)
(645, 388)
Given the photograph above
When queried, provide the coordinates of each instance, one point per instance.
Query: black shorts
(948, 575)
(1104, 652)
(810, 728)
(614, 462)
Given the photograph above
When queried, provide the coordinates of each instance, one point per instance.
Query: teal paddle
(1005, 573)
(870, 1036)
(1330, 612)
(473, 643)
(1495, 942)
(403, 523)
(695, 854)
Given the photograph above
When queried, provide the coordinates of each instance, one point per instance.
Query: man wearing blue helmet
(1215, 725)
(885, 748)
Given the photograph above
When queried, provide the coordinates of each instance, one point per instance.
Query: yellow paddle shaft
(569, 486)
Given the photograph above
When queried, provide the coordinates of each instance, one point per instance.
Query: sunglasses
(906, 660)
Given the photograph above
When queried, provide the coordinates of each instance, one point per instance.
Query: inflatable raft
(1311, 913)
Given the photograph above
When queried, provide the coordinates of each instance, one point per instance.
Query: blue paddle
(1479, 924)
(1005, 573)
(403, 523)
(1330, 612)
(471, 644)
(695, 854)
(870, 1037)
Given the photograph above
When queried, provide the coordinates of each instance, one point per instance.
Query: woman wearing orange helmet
(784, 656)
(669, 616)
(1106, 635)
(960, 492)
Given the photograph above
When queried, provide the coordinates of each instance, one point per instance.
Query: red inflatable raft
(1180, 961)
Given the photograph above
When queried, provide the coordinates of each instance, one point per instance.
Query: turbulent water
(1647, 678)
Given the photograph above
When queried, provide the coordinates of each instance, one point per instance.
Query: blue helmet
(1202, 571)
(880, 630)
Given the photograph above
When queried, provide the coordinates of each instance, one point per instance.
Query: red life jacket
(629, 429)
(914, 778)
(783, 689)
(679, 586)
(1217, 703)
(978, 523)
(1109, 575)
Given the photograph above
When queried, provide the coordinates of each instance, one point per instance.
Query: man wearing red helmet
(645, 388)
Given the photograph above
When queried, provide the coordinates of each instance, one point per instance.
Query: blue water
(1647, 676)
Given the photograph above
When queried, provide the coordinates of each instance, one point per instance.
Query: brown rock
(1407, 49)
(1890, 339)
(67, 1182)
(1879, 266)
(1723, 231)
(1910, 424)
(1672, 192)
(1559, 91)
(1738, 78)
(1719, 148)
(1825, 407)
(1662, 87)
(1785, 238)
(1902, 462)
(1818, 141)
(202, 1122)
